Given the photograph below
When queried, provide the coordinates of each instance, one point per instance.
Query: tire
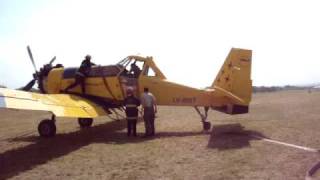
(47, 128)
(85, 122)
(206, 126)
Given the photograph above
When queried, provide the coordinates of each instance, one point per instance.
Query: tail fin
(235, 75)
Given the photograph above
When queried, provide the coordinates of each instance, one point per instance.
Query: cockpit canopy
(131, 66)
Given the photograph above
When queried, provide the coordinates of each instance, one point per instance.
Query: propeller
(29, 85)
(37, 75)
(52, 60)
(31, 57)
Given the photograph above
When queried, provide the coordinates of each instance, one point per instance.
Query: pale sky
(189, 40)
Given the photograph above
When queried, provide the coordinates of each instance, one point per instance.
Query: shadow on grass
(231, 136)
(42, 150)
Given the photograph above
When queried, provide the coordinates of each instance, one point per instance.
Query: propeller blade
(52, 60)
(31, 57)
(29, 85)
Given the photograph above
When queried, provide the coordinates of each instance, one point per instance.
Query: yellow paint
(235, 74)
(62, 105)
(232, 86)
(96, 87)
(54, 81)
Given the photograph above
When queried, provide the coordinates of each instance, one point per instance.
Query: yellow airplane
(106, 88)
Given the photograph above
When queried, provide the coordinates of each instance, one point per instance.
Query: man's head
(87, 57)
(129, 91)
(146, 89)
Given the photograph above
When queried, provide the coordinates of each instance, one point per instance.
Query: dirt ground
(180, 149)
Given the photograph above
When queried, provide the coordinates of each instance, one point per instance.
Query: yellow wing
(61, 105)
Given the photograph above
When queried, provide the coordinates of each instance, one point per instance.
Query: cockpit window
(131, 67)
(149, 72)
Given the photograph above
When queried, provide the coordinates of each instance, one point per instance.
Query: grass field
(180, 149)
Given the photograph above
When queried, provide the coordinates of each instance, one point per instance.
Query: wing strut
(117, 114)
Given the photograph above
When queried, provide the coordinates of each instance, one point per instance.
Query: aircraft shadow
(42, 150)
(231, 136)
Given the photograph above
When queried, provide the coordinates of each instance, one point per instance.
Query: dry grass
(179, 151)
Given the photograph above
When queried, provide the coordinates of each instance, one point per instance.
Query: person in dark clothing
(131, 104)
(81, 74)
(135, 70)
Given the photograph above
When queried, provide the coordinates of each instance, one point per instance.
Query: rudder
(235, 74)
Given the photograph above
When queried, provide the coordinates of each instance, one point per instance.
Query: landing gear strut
(206, 124)
(47, 127)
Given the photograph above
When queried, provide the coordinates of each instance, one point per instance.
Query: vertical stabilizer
(235, 74)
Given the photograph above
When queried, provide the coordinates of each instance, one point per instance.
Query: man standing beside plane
(149, 106)
(81, 74)
(131, 104)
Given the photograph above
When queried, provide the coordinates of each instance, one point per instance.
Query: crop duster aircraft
(106, 88)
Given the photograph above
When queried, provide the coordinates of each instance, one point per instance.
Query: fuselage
(111, 82)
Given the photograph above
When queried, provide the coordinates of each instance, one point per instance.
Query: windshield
(130, 67)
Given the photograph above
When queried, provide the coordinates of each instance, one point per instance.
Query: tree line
(278, 88)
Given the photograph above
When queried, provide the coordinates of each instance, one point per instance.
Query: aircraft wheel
(47, 128)
(206, 126)
(85, 122)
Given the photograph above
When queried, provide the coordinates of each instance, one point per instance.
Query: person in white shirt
(149, 106)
